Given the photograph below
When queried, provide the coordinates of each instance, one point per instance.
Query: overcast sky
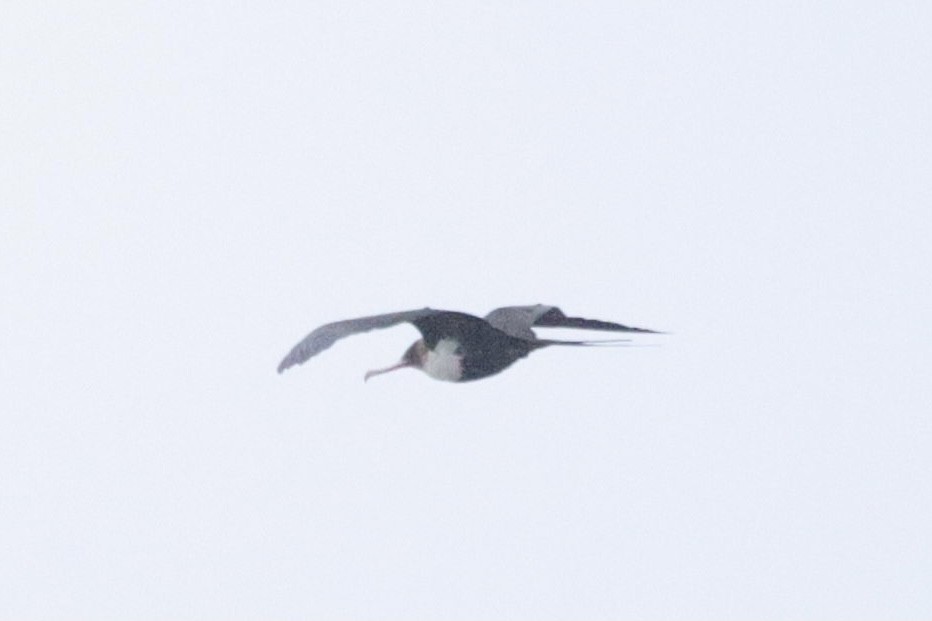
(188, 188)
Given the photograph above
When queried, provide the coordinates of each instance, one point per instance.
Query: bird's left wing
(518, 321)
(328, 334)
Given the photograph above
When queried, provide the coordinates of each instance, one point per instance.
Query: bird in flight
(458, 347)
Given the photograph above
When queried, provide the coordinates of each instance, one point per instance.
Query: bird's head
(413, 357)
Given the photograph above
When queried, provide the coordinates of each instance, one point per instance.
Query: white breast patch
(443, 363)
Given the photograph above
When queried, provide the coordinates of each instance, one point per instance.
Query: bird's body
(455, 346)
(463, 347)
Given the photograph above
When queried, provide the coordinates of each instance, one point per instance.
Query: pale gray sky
(189, 188)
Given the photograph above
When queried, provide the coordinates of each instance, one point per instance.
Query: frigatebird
(458, 347)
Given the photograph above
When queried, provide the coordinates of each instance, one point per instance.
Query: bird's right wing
(518, 321)
(328, 334)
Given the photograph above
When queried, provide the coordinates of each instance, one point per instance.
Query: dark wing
(328, 334)
(518, 321)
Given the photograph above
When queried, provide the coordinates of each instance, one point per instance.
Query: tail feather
(591, 343)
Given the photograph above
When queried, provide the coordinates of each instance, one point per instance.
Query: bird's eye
(459, 351)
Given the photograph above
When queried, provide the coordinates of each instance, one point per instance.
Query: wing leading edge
(328, 334)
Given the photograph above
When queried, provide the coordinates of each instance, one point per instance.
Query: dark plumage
(457, 346)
